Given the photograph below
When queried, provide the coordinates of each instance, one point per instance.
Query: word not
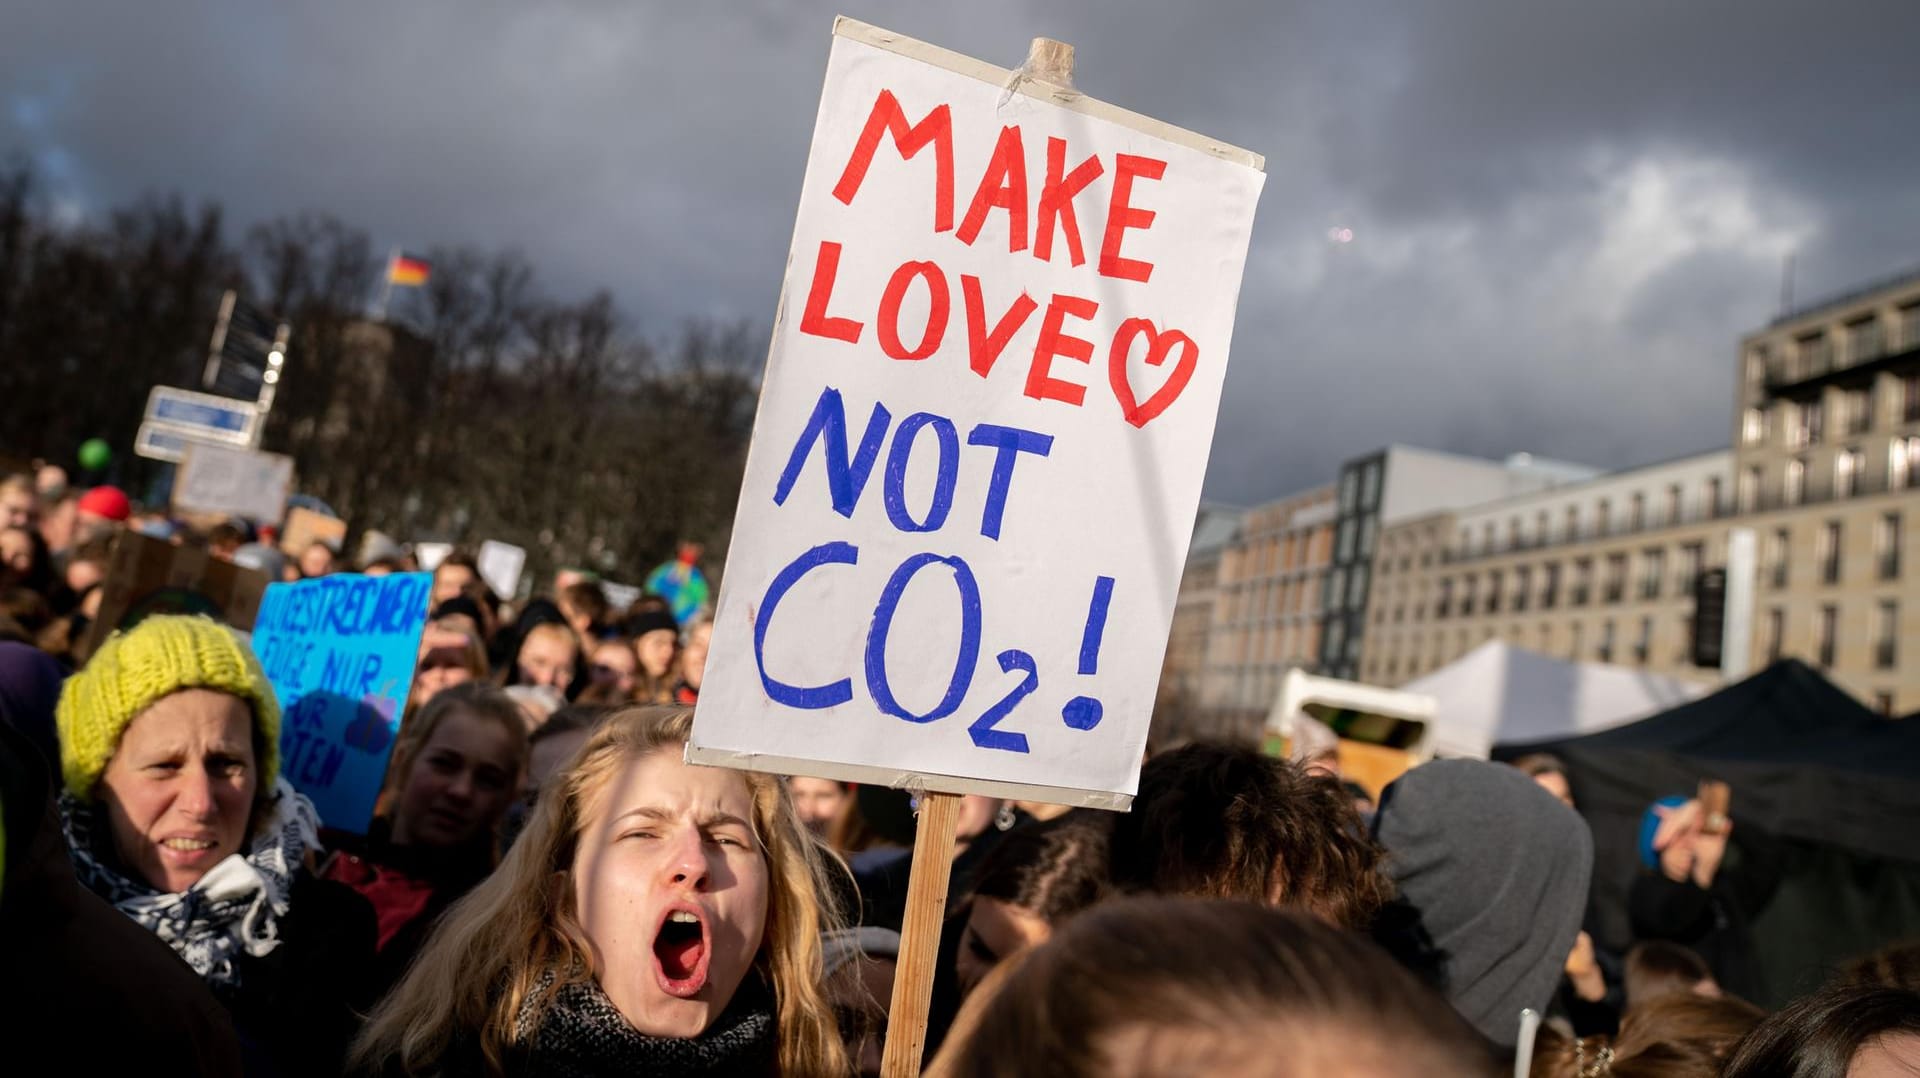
(1082, 713)
(848, 468)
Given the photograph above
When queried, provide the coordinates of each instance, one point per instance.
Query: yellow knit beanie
(163, 654)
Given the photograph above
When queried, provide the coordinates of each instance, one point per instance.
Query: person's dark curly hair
(1053, 868)
(1229, 822)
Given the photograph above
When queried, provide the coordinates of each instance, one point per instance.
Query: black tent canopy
(1828, 787)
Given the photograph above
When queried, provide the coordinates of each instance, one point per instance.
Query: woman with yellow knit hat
(176, 814)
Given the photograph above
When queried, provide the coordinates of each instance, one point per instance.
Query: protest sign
(430, 555)
(340, 651)
(619, 596)
(232, 481)
(981, 435)
(500, 565)
(147, 576)
(306, 527)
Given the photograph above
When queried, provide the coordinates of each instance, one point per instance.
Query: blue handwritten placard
(340, 652)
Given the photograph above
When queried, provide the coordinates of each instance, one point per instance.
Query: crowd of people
(547, 888)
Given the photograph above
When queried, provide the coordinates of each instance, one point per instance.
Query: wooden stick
(920, 936)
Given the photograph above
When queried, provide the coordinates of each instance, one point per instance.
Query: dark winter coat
(298, 1008)
(77, 978)
(408, 888)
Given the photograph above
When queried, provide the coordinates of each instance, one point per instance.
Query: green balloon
(94, 454)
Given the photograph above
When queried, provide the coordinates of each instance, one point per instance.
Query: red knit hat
(107, 502)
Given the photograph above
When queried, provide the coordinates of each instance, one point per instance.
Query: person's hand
(1584, 971)
(1688, 852)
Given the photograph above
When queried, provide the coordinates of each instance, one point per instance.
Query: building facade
(1267, 617)
(1412, 558)
(1824, 469)
(1392, 485)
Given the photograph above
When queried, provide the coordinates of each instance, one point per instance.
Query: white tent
(1498, 693)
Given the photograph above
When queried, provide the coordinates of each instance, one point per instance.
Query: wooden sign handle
(920, 936)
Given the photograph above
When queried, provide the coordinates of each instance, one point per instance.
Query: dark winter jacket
(77, 978)
(409, 888)
(298, 1008)
(1716, 922)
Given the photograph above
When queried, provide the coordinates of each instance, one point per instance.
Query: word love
(1004, 188)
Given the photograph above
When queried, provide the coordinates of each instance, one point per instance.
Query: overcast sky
(1564, 214)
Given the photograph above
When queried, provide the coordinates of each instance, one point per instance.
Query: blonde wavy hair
(487, 957)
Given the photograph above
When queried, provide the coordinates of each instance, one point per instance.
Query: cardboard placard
(152, 576)
(340, 651)
(306, 527)
(981, 435)
(233, 481)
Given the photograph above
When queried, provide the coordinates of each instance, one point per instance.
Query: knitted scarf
(580, 1034)
(234, 909)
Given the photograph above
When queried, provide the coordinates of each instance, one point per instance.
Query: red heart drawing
(1137, 412)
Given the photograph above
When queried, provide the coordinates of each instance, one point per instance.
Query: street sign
(245, 339)
(177, 416)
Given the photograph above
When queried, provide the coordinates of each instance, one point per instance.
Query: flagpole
(386, 290)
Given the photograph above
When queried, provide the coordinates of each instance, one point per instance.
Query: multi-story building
(1267, 619)
(1395, 484)
(1824, 470)
(1827, 459)
(1185, 667)
(1600, 570)
(1413, 557)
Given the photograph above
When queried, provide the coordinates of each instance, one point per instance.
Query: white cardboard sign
(500, 565)
(238, 482)
(430, 555)
(981, 437)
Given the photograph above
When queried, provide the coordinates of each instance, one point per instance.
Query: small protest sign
(500, 566)
(340, 651)
(619, 596)
(430, 555)
(306, 527)
(233, 481)
(981, 435)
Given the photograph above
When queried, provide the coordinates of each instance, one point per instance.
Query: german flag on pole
(408, 271)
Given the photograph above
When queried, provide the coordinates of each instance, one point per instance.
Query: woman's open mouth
(680, 948)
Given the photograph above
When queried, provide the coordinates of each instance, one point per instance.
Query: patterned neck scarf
(234, 909)
(580, 1034)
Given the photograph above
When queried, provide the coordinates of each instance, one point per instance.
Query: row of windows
(1804, 423)
(1607, 646)
(1267, 555)
(1270, 599)
(1849, 478)
(1884, 639)
(1640, 511)
(1360, 488)
(1812, 354)
(1642, 576)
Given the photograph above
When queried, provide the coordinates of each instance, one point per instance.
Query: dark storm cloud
(1565, 214)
